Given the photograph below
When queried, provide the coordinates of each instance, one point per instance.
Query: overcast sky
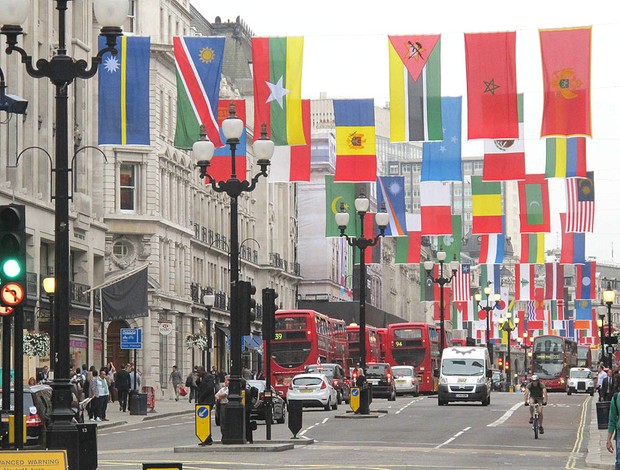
(345, 56)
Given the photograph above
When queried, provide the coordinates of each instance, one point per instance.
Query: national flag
(557, 311)
(277, 70)
(220, 167)
(415, 88)
(408, 248)
(492, 109)
(585, 280)
(531, 310)
(339, 195)
(504, 159)
(487, 207)
(391, 195)
(356, 144)
(292, 163)
(490, 276)
(580, 204)
(441, 161)
(427, 285)
(533, 248)
(451, 244)
(435, 208)
(565, 158)
(566, 56)
(524, 281)
(573, 245)
(372, 254)
(534, 212)
(554, 281)
(461, 284)
(492, 248)
(124, 115)
(199, 68)
(583, 314)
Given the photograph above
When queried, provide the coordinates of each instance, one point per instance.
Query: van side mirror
(436, 373)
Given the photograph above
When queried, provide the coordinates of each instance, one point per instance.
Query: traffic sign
(131, 338)
(12, 294)
(203, 422)
(354, 399)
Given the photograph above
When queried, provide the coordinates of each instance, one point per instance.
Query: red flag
(566, 55)
(492, 110)
(554, 281)
(221, 163)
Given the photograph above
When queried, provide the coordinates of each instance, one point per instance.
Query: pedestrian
(613, 426)
(122, 383)
(251, 396)
(175, 379)
(599, 381)
(77, 380)
(43, 374)
(93, 394)
(191, 382)
(205, 395)
(221, 398)
(103, 394)
(110, 374)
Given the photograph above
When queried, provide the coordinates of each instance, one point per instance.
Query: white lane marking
(453, 437)
(505, 416)
(324, 421)
(408, 405)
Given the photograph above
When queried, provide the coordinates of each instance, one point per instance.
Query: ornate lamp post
(209, 301)
(62, 70)
(234, 415)
(609, 295)
(488, 308)
(49, 286)
(442, 281)
(509, 326)
(382, 218)
(601, 325)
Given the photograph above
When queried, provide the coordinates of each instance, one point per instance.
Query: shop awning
(223, 329)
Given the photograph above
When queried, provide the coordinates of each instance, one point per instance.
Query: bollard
(295, 416)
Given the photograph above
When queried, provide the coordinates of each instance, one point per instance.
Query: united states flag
(580, 204)
(461, 284)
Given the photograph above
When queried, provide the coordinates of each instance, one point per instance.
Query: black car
(37, 409)
(380, 376)
(335, 373)
(259, 409)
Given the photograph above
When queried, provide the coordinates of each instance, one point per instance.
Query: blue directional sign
(131, 338)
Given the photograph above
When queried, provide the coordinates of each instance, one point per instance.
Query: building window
(128, 187)
(132, 16)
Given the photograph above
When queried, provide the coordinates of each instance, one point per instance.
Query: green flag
(451, 244)
(336, 195)
(427, 286)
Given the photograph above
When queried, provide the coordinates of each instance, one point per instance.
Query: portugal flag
(277, 70)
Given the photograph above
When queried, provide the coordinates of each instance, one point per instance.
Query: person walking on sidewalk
(123, 383)
(191, 382)
(93, 394)
(614, 425)
(175, 379)
(103, 394)
(205, 394)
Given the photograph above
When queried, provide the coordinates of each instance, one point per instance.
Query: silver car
(406, 380)
(259, 409)
(313, 390)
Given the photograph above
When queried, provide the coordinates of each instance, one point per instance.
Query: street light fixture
(49, 286)
(382, 218)
(62, 70)
(442, 281)
(488, 308)
(209, 301)
(508, 326)
(233, 428)
(526, 346)
(609, 295)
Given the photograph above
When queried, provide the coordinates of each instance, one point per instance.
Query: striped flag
(487, 206)
(492, 248)
(435, 208)
(580, 204)
(573, 245)
(461, 283)
(533, 248)
(415, 88)
(524, 281)
(554, 281)
(408, 248)
(585, 280)
(565, 158)
(391, 193)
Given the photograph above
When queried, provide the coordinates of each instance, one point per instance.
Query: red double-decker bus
(373, 353)
(339, 344)
(382, 337)
(417, 345)
(552, 358)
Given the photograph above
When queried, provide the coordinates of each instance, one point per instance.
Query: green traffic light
(11, 268)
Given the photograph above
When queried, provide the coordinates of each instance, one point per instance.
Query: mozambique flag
(415, 88)
(277, 69)
(566, 158)
(487, 207)
(534, 204)
(566, 56)
(199, 69)
(533, 248)
(339, 195)
(356, 143)
(124, 116)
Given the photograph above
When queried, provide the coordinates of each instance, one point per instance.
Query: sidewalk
(597, 454)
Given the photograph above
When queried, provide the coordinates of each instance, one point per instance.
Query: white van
(465, 375)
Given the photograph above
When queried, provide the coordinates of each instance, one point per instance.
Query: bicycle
(536, 418)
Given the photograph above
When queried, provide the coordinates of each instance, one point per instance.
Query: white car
(313, 390)
(580, 381)
(406, 380)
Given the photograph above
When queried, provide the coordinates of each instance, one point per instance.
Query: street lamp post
(508, 326)
(442, 281)
(209, 301)
(601, 324)
(526, 347)
(488, 309)
(62, 70)
(49, 286)
(233, 428)
(609, 295)
(362, 204)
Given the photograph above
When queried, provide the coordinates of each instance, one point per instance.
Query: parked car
(406, 380)
(498, 381)
(260, 408)
(335, 373)
(37, 410)
(313, 390)
(580, 381)
(380, 376)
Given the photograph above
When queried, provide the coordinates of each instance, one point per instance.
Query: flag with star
(124, 116)
(580, 204)
(566, 57)
(277, 68)
(492, 108)
(391, 195)
(339, 196)
(199, 70)
(441, 161)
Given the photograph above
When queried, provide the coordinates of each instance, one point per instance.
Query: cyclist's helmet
(534, 378)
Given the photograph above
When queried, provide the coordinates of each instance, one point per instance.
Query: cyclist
(536, 392)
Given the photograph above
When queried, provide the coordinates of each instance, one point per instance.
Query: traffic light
(269, 312)
(247, 306)
(500, 362)
(507, 366)
(12, 254)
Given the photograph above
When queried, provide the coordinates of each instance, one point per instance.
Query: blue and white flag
(391, 192)
(441, 161)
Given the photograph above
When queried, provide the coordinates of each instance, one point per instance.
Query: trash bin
(150, 397)
(137, 403)
(87, 446)
(602, 414)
